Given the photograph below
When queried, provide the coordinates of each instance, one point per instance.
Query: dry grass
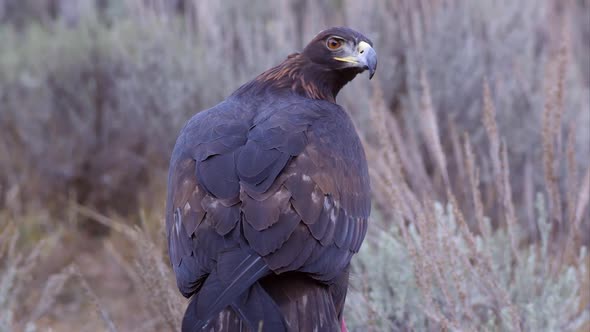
(103, 313)
(463, 127)
(150, 271)
(467, 282)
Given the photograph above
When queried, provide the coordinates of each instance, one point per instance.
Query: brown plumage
(268, 196)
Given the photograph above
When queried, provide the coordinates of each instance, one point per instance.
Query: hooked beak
(364, 57)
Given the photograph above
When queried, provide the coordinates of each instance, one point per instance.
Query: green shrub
(77, 117)
(387, 294)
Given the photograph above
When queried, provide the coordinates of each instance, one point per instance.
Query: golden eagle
(268, 196)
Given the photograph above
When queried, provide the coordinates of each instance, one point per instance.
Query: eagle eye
(334, 43)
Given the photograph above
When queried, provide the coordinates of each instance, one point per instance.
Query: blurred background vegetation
(476, 130)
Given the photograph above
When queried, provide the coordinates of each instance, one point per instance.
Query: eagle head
(342, 49)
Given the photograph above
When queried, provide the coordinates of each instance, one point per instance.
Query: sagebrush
(475, 130)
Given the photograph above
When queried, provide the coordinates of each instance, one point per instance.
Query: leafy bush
(77, 118)
(433, 280)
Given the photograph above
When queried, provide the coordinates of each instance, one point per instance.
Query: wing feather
(288, 185)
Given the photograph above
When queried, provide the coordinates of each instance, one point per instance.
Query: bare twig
(100, 309)
(430, 129)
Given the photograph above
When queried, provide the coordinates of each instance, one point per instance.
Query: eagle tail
(290, 301)
(231, 284)
(306, 304)
(259, 310)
